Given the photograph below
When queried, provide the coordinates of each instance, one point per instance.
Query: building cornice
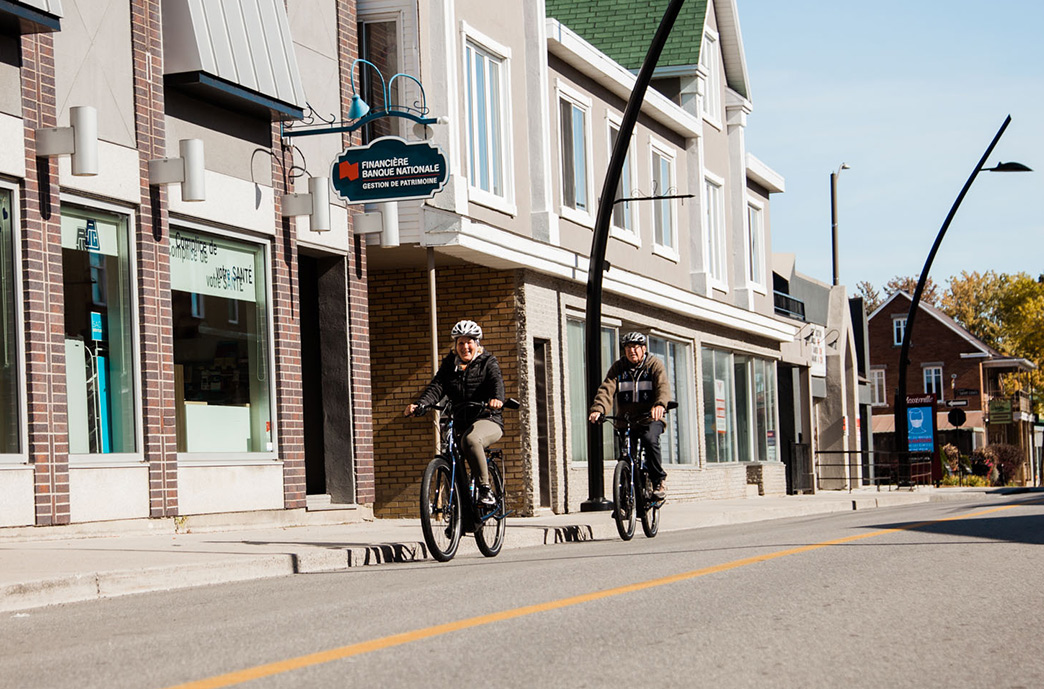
(502, 250)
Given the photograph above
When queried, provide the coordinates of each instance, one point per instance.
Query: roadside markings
(290, 664)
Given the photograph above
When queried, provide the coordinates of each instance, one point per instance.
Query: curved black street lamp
(596, 500)
(901, 435)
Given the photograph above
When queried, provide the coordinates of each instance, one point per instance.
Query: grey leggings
(474, 442)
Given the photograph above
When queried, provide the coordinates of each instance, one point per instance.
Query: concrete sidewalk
(50, 565)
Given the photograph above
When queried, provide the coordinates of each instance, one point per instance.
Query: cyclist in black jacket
(470, 374)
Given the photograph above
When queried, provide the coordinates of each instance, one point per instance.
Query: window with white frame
(485, 89)
(898, 331)
(710, 60)
(933, 381)
(623, 213)
(755, 245)
(878, 395)
(714, 228)
(574, 117)
(663, 209)
(100, 365)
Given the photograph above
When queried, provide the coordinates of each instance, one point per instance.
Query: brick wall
(43, 294)
(287, 350)
(401, 367)
(152, 236)
(358, 289)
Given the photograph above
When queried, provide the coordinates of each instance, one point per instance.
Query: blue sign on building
(920, 424)
(389, 169)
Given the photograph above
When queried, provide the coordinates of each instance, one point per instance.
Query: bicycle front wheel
(440, 510)
(623, 500)
(650, 517)
(489, 534)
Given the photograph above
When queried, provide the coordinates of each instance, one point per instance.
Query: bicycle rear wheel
(440, 510)
(489, 533)
(623, 500)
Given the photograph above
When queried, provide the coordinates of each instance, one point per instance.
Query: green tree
(1007, 313)
(971, 299)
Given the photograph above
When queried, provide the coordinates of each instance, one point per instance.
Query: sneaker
(486, 496)
(660, 492)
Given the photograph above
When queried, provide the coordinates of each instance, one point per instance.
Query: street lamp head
(1008, 167)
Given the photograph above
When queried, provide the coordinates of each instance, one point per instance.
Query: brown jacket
(636, 389)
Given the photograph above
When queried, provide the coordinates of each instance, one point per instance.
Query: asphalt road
(935, 595)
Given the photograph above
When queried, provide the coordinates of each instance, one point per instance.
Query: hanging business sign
(389, 169)
(817, 351)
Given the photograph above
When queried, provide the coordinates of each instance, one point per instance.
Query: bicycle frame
(632, 451)
(460, 484)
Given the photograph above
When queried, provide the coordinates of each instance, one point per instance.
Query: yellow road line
(290, 664)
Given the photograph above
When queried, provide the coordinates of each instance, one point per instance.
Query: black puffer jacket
(480, 382)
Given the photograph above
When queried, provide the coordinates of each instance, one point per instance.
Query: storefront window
(99, 340)
(739, 404)
(741, 367)
(9, 396)
(719, 424)
(674, 443)
(576, 337)
(219, 298)
(765, 410)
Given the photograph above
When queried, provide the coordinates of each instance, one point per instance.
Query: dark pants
(650, 439)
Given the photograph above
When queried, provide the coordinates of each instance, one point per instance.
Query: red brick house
(949, 361)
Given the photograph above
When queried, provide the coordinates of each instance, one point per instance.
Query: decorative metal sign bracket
(359, 113)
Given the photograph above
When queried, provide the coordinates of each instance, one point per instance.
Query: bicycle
(448, 504)
(631, 496)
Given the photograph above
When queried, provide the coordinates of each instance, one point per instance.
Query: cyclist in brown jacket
(638, 382)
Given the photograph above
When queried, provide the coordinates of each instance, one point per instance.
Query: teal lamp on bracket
(358, 108)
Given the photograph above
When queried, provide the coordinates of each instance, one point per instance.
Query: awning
(236, 52)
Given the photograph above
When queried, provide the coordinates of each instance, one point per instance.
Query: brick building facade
(950, 362)
(165, 295)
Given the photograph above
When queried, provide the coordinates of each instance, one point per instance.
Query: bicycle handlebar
(422, 409)
(644, 419)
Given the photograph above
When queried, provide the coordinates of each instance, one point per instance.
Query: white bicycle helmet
(466, 329)
(633, 338)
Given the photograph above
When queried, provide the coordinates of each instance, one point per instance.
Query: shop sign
(965, 392)
(1000, 411)
(90, 234)
(200, 265)
(389, 169)
(719, 407)
(817, 351)
(920, 423)
(97, 327)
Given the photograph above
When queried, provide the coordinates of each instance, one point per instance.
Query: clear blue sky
(909, 93)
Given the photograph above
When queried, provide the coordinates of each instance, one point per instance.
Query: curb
(106, 584)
